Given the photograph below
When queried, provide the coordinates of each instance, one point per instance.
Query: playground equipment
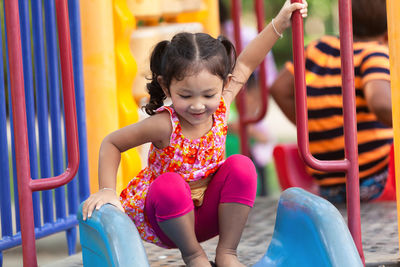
(30, 221)
(298, 196)
(291, 172)
(110, 236)
(285, 155)
(243, 122)
(309, 231)
(393, 12)
(108, 70)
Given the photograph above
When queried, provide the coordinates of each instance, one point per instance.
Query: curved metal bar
(350, 163)
(241, 103)
(301, 102)
(69, 104)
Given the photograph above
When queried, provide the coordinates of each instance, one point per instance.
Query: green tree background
(321, 20)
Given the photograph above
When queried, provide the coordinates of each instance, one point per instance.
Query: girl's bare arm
(259, 47)
(155, 129)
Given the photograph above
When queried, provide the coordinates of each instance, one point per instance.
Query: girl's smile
(195, 99)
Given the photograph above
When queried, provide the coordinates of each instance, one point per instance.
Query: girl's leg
(169, 208)
(227, 203)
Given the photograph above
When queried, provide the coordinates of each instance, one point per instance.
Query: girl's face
(196, 97)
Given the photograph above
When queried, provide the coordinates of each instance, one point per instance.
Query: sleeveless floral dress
(194, 160)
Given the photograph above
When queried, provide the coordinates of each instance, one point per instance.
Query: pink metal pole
(20, 133)
(350, 163)
(25, 184)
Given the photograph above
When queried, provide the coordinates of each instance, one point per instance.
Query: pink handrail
(350, 163)
(25, 183)
(241, 103)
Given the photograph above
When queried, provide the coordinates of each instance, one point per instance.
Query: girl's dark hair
(369, 18)
(186, 54)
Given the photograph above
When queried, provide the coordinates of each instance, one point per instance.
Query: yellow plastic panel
(208, 16)
(191, 5)
(393, 13)
(124, 24)
(99, 78)
(145, 9)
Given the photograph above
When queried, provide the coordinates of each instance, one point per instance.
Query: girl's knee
(242, 174)
(169, 186)
(242, 166)
(169, 194)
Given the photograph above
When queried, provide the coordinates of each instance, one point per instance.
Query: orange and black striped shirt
(324, 103)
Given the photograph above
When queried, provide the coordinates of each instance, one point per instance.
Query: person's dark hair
(369, 18)
(186, 54)
(224, 14)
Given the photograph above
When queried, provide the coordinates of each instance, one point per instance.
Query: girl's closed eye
(210, 96)
(185, 96)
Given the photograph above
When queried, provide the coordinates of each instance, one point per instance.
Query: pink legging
(169, 197)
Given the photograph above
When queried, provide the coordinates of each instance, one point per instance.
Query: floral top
(194, 160)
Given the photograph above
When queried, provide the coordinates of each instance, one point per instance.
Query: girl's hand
(282, 20)
(96, 200)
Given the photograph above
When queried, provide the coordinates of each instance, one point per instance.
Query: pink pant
(169, 197)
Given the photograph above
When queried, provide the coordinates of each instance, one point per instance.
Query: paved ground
(379, 229)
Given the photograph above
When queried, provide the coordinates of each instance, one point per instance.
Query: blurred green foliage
(321, 20)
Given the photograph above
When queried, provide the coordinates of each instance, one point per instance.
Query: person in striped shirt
(324, 102)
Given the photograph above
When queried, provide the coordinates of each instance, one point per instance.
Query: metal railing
(350, 163)
(244, 121)
(37, 156)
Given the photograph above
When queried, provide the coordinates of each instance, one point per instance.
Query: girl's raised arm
(255, 52)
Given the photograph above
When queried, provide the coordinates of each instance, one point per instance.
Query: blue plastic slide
(110, 238)
(309, 231)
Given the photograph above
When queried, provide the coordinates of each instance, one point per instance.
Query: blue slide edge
(110, 238)
(309, 231)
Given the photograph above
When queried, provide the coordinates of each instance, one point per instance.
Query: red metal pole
(71, 127)
(240, 99)
(25, 184)
(259, 10)
(244, 120)
(350, 163)
(350, 123)
(301, 101)
(20, 133)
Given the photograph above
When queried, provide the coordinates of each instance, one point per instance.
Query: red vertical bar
(240, 99)
(350, 163)
(259, 10)
(350, 123)
(20, 133)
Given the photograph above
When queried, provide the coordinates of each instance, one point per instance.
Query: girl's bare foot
(227, 258)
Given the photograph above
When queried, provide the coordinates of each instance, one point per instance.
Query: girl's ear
(228, 80)
(160, 80)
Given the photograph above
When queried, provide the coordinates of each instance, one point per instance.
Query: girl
(189, 193)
